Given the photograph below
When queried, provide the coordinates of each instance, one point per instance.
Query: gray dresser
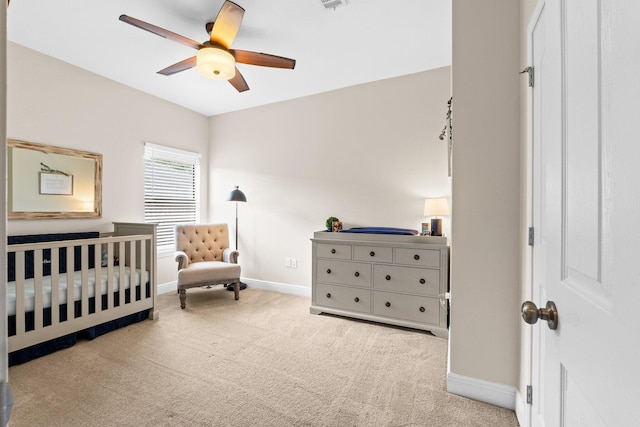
(395, 279)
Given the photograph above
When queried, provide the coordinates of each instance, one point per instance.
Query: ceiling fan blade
(227, 24)
(160, 31)
(238, 82)
(179, 66)
(262, 59)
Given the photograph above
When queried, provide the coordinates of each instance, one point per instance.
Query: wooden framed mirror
(52, 182)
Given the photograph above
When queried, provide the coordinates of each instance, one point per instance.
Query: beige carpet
(260, 361)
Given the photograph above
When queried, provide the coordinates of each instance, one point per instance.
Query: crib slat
(70, 284)
(123, 257)
(55, 286)
(37, 289)
(132, 270)
(143, 266)
(110, 286)
(84, 279)
(97, 265)
(20, 314)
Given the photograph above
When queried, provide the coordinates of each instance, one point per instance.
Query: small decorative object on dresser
(426, 229)
(329, 223)
(389, 278)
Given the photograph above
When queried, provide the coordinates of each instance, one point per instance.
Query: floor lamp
(237, 196)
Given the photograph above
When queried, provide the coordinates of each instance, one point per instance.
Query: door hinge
(529, 71)
(531, 236)
(529, 395)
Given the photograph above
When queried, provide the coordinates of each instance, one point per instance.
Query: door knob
(531, 314)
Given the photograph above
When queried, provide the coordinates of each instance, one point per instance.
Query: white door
(586, 209)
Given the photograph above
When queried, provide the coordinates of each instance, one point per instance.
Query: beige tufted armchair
(204, 258)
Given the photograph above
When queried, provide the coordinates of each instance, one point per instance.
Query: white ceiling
(364, 41)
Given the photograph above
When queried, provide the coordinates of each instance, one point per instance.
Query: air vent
(333, 4)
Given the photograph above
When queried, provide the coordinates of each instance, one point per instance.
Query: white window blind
(171, 190)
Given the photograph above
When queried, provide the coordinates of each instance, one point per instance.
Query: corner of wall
(485, 256)
(483, 391)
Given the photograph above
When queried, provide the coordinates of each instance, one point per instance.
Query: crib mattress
(29, 287)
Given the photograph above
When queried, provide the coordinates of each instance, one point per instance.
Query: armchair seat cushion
(205, 272)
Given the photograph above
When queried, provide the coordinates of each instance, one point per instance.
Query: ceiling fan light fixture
(215, 63)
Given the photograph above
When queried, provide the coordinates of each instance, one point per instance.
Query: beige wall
(485, 273)
(367, 154)
(69, 107)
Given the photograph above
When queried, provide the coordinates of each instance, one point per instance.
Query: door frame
(6, 395)
(529, 362)
(4, 370)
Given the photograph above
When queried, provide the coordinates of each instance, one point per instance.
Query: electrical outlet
(287, 262)
(294, 263)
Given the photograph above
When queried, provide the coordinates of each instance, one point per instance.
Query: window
(171, 190)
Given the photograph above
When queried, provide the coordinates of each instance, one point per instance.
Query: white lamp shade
(215, 63)
(436, 207)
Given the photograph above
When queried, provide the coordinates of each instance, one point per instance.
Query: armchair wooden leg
(236, 289)
(183, 298)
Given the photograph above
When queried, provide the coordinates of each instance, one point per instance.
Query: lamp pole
(236, 225)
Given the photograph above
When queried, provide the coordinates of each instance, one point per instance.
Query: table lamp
(435, 208)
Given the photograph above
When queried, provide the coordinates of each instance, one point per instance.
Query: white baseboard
(483, 391)
(301, 291)
(284, 288)
(523, 411)
(165, 288)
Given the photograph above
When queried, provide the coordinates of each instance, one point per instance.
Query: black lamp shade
(236, 196)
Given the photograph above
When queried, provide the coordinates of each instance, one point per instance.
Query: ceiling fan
(214, 58)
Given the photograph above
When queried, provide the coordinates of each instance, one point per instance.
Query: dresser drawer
(325, 250)
(418, 281)
(418, 257)
(407, 307)
(343, 272)
(343, 297)
(373, 253)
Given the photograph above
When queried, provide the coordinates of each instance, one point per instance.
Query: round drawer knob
(372, 253)
(328, 295)
(357, 274)
(356, 299)
(333, 251)
(421, 309)
(387, 304)
(416, 257)
(328, 271)
(388, 277)
(422, 281)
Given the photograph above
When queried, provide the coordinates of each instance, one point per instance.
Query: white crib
(45, 308)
